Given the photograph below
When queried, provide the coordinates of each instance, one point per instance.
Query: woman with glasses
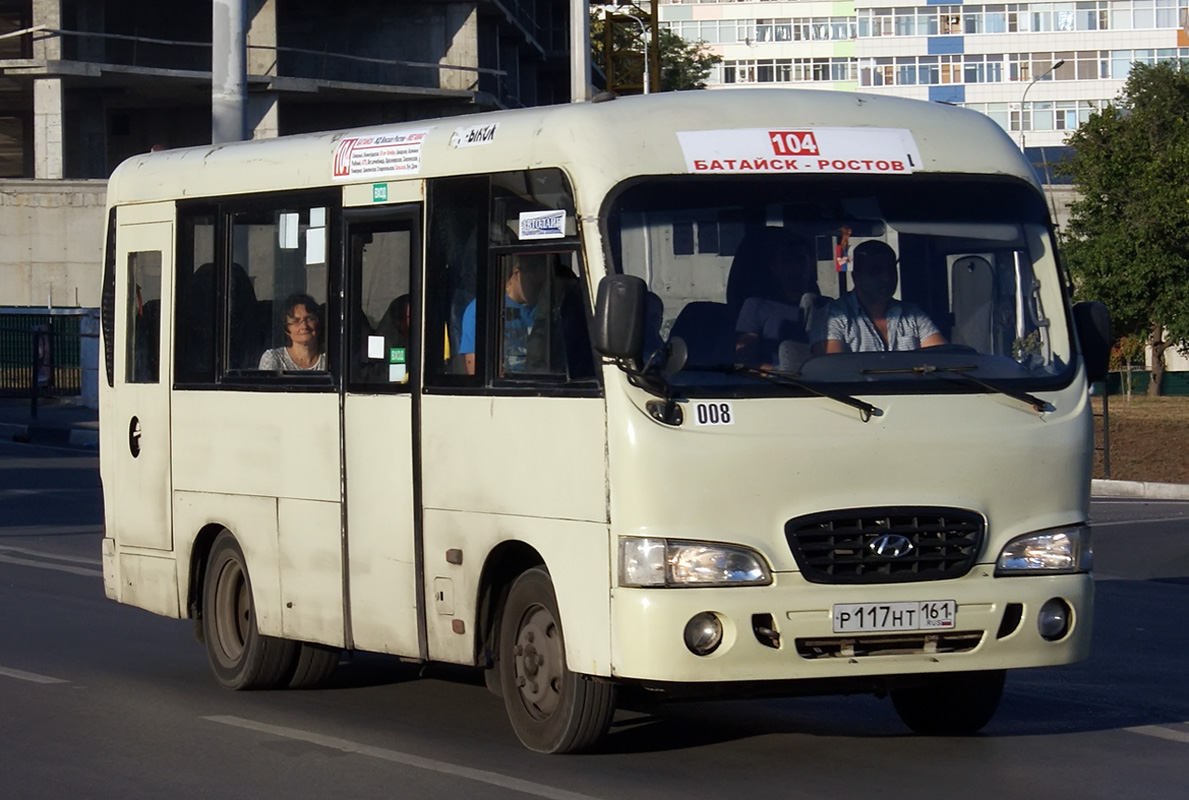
(303, 334)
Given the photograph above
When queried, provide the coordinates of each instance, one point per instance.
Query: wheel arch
(200, 553)
(503, 565)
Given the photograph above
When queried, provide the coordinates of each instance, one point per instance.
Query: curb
(1145, 490)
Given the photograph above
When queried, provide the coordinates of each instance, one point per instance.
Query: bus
(484, 391)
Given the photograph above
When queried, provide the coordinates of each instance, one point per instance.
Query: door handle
(134, 437)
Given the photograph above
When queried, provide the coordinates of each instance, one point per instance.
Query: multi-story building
(86, 83)
(997, 58)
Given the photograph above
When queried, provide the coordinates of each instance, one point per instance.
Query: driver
(870, 318)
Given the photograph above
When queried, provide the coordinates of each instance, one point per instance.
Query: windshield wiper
(962, 376)
(866, 410)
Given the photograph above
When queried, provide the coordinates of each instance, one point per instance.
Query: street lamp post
(1024, 99)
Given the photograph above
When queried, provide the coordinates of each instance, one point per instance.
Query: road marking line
(1160, 732)
(444, 767)
(25, 551)
(25, 562)
(32, 677)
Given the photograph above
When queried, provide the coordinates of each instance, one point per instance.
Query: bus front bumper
(786, 631)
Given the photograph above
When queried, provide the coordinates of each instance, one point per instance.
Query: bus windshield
(875, 284)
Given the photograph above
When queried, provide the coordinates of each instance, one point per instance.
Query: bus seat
(973, 282)
(708, 330)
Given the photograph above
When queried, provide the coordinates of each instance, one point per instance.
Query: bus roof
(724, 131)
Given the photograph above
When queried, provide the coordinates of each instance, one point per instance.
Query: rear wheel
(951, 704)
(239, 656)
(315, 664)
(552, 710)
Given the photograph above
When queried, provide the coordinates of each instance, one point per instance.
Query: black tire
(552, 710)
(315, 664)
(951, 704)
(239, 656)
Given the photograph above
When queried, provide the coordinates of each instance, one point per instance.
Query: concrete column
(47, 45)
(462, 50)
(263, 104)
(229, 77)
(579, 51)
(47, 129)
(47, 94)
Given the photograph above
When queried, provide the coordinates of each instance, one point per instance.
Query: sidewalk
(57, 423)
(64, 423)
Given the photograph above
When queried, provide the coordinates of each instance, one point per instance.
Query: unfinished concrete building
(86, 83)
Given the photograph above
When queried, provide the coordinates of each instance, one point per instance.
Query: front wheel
(239, 656)
(552, 710)
(951, 704)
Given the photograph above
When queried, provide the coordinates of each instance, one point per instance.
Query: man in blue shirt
(522, 289)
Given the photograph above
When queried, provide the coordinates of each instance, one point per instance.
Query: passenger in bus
(302, 330)
(783, 312)
(870, 318)
(394, 325)
(522, 289)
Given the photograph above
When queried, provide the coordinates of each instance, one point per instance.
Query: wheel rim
(539, 662)
(233, 610)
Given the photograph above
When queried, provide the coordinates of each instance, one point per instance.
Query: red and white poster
(877, 151)
(378, 155)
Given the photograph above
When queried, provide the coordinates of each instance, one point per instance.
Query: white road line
(1160, 732)
(444, 767)
(25, 551)
(25, 562)
(1125, 522)
(32, 677)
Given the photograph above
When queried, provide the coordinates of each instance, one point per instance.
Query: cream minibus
(585, 397)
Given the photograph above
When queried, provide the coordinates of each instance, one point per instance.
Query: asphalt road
(105, 701)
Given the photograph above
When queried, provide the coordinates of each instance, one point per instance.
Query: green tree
(1127, 241)
(683, 65)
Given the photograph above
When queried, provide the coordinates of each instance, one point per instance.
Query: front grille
(900, 644)
(885, 545)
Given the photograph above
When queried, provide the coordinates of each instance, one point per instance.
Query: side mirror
(619, 317)
(1093, 322)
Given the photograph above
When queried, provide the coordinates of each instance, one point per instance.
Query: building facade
(997, 58)
(86, 83)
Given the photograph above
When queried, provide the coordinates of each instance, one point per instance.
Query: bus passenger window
(543, 323)
(380, 309)
(455, 257)
(276, 294)
(195, 309)
(144, 317)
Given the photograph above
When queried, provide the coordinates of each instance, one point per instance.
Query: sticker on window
(715, 413)
(884, 151)
(542, 224)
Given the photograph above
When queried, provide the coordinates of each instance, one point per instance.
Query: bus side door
(136, 439)
(383, 253)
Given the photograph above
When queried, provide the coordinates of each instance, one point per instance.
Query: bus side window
(144, 317)
(279, 256)
(380, 309)
(543, 325)
(455, 312)
(195, 310)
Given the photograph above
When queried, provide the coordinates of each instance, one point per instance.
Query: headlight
(646, 561)
(1057, 550)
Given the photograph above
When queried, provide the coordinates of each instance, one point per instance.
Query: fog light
(1054, 618)
(703, 633)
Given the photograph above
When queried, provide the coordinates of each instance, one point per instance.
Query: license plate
(915, 616)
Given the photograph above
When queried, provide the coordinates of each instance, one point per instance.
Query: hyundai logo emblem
(890, 545)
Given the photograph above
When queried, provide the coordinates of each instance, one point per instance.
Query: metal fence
(46, 353)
